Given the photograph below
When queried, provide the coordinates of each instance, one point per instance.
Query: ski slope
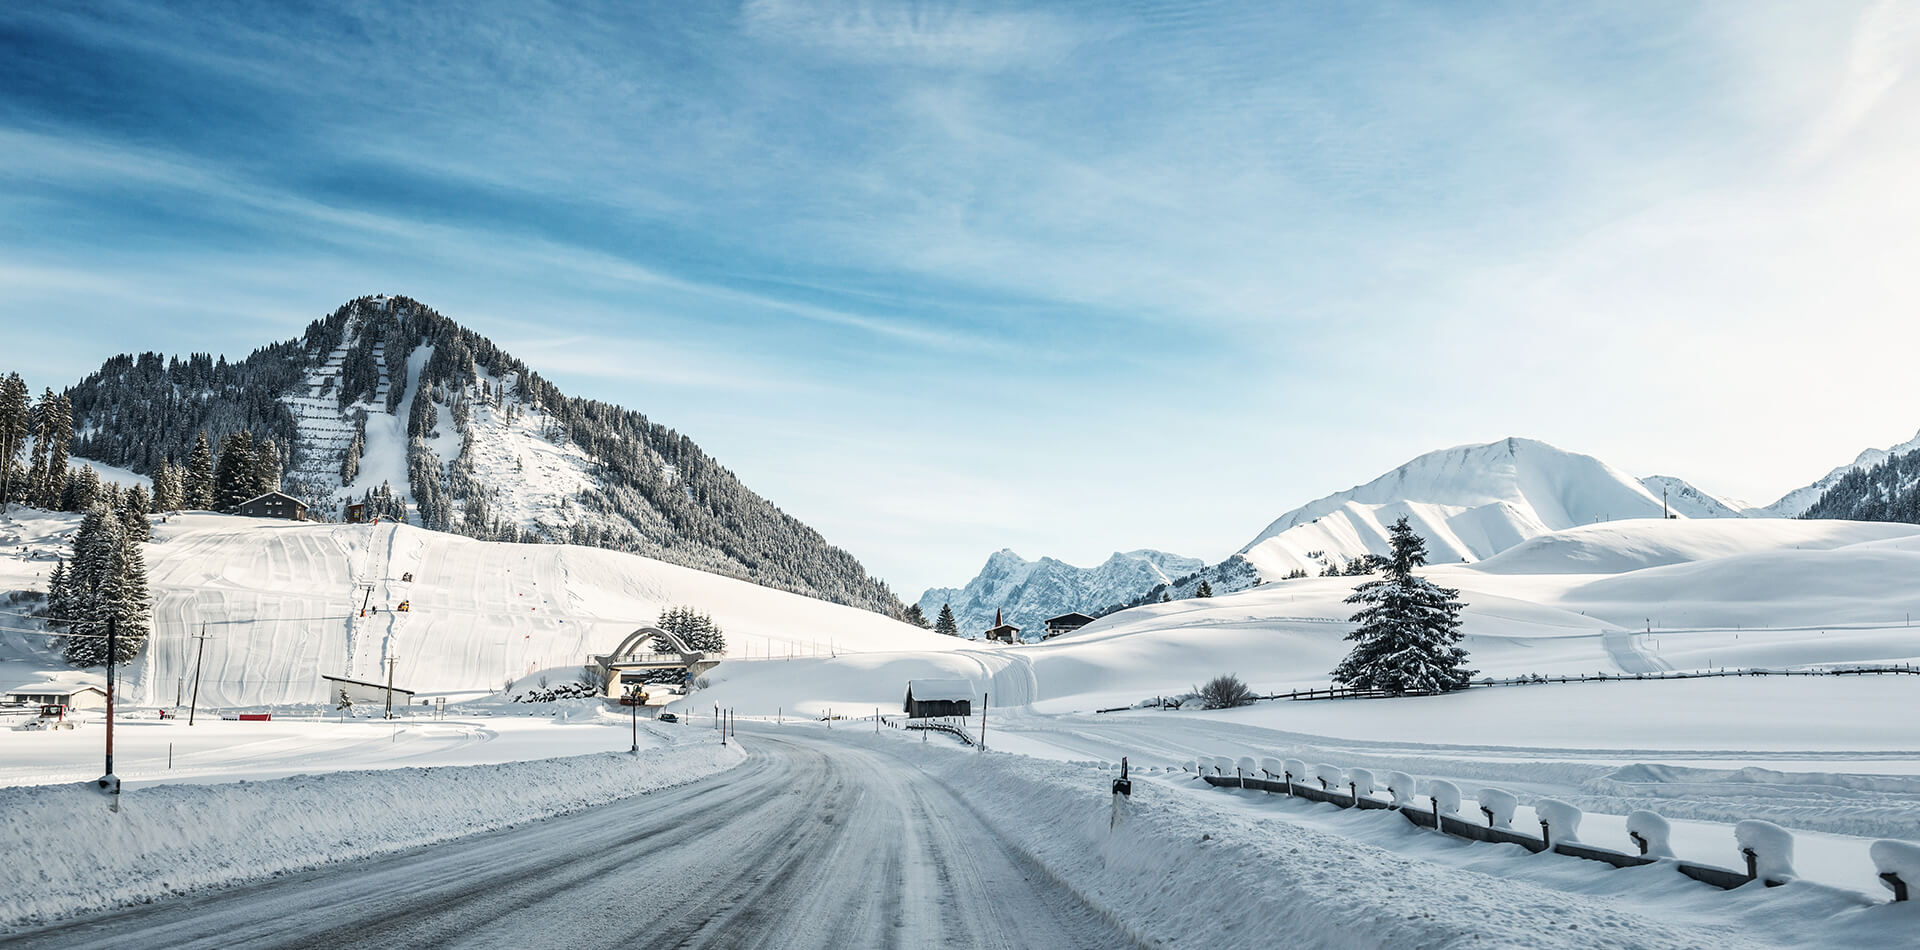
(279, 604)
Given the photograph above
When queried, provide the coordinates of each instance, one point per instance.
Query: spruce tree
(917, 617)
(16, 425)
(1204, 590)
(47, 479)
(84, 491)
(233, 472)
(197, 482)
(945, 624)
(134, 509)
(267, 466)
(166, 487)
(1408, 629)
(59, 595)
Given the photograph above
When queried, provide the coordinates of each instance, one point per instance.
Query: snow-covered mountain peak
(1795, 503)
(1028, 592)
(1469, 502)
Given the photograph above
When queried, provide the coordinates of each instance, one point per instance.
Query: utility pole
(1664, 513)
(633, 706)
(109, 782)
(392, 661)
(198, 658)
(983, 722)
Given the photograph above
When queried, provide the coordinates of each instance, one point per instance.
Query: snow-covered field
(1829, 757)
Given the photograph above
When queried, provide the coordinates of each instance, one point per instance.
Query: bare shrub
(1224, 692)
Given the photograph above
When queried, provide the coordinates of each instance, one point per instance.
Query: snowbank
(1654, 830)
(1400, 786)
(1497, 805)
(1445, 796)
(1772, 848)
(170, 839)
(1900, 858)
(1561, 820)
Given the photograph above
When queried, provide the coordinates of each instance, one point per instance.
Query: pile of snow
(1445, 795)
(1899, 858)
(1771, 845)
(1654, 831)
(1498, 806)
(162, 843)
(1559, 820)
(1295, 768)
(1360, 781)
(1401, 786)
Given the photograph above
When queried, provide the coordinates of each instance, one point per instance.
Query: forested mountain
(1889, 491)
(389, 401)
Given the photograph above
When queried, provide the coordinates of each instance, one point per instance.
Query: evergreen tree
(83, 491)
(233, 472)
(945, 625)
(108, 580)
(695, 628)
(53, 431)
(1204, 590)
(1166, 598)
(1408, 629)
(133, 514)
(196, 483)
(166, 487)
(16, 426)
(917, 617)
(267, 466)
(59, 595)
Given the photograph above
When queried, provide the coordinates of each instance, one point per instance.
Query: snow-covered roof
(1069, 618)
(272, 494)
(53, 689)
(940, 691)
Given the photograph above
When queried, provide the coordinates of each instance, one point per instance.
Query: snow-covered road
(812, 843)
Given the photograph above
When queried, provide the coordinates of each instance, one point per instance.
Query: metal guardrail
(938, 725)
(1723, 878)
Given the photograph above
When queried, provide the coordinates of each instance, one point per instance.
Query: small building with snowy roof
(1066, 623)
(935, 698)
(59, 694)
(273, 504)
(1002, 630)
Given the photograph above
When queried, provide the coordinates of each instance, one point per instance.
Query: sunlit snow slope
(280, 607)
(1469, 502)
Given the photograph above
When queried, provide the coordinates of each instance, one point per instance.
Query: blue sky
(1074, 278)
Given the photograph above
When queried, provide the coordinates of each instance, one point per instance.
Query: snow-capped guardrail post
(1768, 849)
(1497, 805)
(1243, 769)
(1559, 821)
(1295, 769)
(1651, 832)
(1122, 792)
(1359, 782)
(1445, 797)
(1898, 863)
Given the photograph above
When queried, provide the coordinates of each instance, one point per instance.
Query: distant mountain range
(1469, 502)
(386, 397)
(1029, 592)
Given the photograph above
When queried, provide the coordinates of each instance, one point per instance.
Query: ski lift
(406, 606)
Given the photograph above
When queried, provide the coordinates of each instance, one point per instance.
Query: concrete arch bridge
(634, 663)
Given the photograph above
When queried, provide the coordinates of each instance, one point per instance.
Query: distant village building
(1066, 623)
(1002, 631)
(927, 699)
(55, 694)
(273, 504)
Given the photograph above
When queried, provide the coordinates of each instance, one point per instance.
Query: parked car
(669, 717)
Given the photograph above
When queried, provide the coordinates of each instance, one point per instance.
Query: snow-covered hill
(387, 396)
(1468, 502)
(279, 604)
(1795, 503)
(1690, 501)
(1029, 592)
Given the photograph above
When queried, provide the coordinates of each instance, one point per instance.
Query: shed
(934, 698)
(273, 504)
(59, 694)
(1066, 623)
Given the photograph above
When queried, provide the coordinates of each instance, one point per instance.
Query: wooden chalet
(1066, 623)
(273, 504)
(931, 699)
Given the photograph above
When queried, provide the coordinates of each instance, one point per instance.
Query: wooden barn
(929, 699)
(57, 694)
(273, 504)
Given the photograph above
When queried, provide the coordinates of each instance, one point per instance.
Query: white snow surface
(1772, 848)
(169, 838)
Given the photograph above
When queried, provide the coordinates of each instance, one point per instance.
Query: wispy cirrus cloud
(915, 32)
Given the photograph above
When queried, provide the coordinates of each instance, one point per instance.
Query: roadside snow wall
(170, 839)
